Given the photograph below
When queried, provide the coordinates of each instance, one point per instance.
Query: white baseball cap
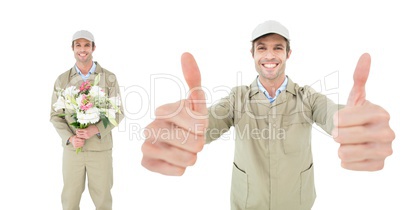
(83, 34)
(269, 27)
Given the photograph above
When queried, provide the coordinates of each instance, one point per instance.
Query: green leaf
(105, 121)
(61, 115)
(72, 99)
(113, 121)
(97, 79)
(82, 126)
(75, 124)
(78, 150)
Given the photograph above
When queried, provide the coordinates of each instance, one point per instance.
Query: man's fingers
(360, 152)
(162, 167)
(356, 116)
(166, 132)
(181, 114)
(368, 123)
(363, 134)
(357, 95)
(366, 165)
(169, 154)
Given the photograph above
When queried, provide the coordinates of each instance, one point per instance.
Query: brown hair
(287, 44)
(93, 44)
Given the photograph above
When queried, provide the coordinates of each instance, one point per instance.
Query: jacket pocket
(239, 191)
(307, 189)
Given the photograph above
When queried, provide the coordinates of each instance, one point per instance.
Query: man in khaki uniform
(95, 160)
(273, 117)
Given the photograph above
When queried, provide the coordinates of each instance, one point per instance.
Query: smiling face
(83, 50)
(270, 55)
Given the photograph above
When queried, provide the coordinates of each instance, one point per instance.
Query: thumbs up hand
(175, 137)
(362, 128)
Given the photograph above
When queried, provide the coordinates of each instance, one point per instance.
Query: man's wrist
(68, 142)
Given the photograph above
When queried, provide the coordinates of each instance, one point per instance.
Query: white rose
(70, 91)
(60, 104)
(91, 116)
(96, 91)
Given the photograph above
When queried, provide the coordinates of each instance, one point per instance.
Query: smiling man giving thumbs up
(273, 117)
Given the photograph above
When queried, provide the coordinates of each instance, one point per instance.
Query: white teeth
(269, 65)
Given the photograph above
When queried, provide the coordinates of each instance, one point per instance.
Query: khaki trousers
(97, 166)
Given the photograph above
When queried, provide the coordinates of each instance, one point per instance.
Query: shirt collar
(91, 71)
(280, 89)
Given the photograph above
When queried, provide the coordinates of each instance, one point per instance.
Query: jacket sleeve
(323, 110)
(222, 115)
(59, 123)
(114, 91)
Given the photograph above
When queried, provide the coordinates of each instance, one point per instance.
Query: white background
(140, 40)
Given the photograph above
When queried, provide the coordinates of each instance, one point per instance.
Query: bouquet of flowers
(89, 104)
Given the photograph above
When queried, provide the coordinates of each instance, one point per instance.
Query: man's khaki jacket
(108, 82)
(273, 164)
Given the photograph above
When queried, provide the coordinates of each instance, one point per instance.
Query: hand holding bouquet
(89, 104)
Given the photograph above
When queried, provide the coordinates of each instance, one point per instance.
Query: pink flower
(86, 106)
(85, 103)
(85, 86)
